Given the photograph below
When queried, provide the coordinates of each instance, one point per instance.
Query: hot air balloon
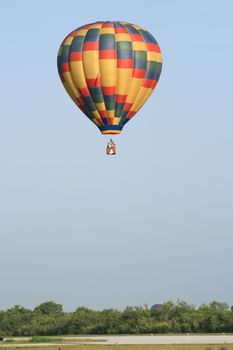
(109, 69)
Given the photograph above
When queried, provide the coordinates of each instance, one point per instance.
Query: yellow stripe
(137, 27)
(139, 45)
(96, 26)
(110, 113)
(77, 74)
(123, 37)
(100, 106)
(108, 72)
(135, 83)
(123, 80)
(116, 121)
(91, 69)
(107, 31)
(76, 67)
(91, 64)
(154, 56)
(69, 40)
(95, 114)
(69, 86)
(134, 88)
(80, 70)
(143, 96)
(82, 32)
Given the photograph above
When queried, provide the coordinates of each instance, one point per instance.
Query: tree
(49, 308)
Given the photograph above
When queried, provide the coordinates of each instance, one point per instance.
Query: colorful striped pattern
(109, 69)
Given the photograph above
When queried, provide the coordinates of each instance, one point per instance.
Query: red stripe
(124, 63)
(127, 106)
(65, 67)
(80, 100)
(94, 82)
(153, 47)
(120, 98)
(109, 90)
(76, 56)
(149, 83)
(62, 78)
(103, 114)
(136, 37)
(85, 92)
(121, 30)
(74, 33)
(100, 121)
(153, 85)
(139, 73)
(87, 26)
(110, 121)
(107, 54)
(107, 25)
(130, 114)
(90, 46)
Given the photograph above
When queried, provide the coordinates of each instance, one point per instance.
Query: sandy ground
(141, 339)
(171, 339)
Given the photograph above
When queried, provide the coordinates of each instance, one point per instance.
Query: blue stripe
(105, 121)
(110, 127)
(117, 25)
(89, 104)
(151, 74)
(126, 121)
(124, 54)
(77, 44)
(140, 64)
(65, 54)
(107, 42)
(92, 35)
(148, 37)
(131, 29)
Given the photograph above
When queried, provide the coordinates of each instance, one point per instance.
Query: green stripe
(140, 55)
(107, 37)
(124, 45)
(152, 65)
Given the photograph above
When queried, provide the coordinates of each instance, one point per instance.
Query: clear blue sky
(155, 222)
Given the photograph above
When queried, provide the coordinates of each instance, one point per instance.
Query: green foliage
(40, 339)
(49, 319)
(49, 308)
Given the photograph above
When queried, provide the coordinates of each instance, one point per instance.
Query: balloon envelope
(109, 69)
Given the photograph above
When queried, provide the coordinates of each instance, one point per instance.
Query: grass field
(125, 347)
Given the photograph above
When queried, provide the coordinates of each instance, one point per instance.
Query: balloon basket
(110, 151)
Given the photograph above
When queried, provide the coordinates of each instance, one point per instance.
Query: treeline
(50, 319)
